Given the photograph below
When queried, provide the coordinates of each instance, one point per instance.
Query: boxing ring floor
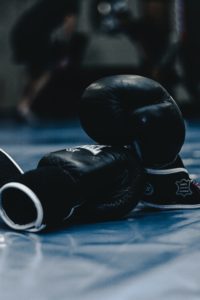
(148, 255)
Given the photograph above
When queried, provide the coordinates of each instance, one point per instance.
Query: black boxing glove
(102, 181)
(138, 111)
(131, 109)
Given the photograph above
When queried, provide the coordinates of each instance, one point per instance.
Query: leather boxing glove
(100, 181)
(138, 111)
(131, 109)
(9, 168)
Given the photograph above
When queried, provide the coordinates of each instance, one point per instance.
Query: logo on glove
(149, 189)
(183, 187)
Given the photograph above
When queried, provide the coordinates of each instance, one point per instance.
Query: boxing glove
(134, 110)
(138, 111)
(99, 181)
(9, 168)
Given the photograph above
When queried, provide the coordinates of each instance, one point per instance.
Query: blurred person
(152, 32)
(166, 34)
(190, 50)
(45, 40)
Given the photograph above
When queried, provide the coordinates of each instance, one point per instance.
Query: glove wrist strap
(171, 188)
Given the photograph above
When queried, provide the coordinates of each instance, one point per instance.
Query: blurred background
(51, 50)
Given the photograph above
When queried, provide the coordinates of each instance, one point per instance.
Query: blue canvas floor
(149, 255)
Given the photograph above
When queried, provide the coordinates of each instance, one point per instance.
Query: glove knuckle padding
(111, 182)
(121, 109)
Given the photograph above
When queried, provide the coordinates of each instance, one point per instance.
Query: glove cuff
(38, 199)
(171, 189)
(29, 213)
